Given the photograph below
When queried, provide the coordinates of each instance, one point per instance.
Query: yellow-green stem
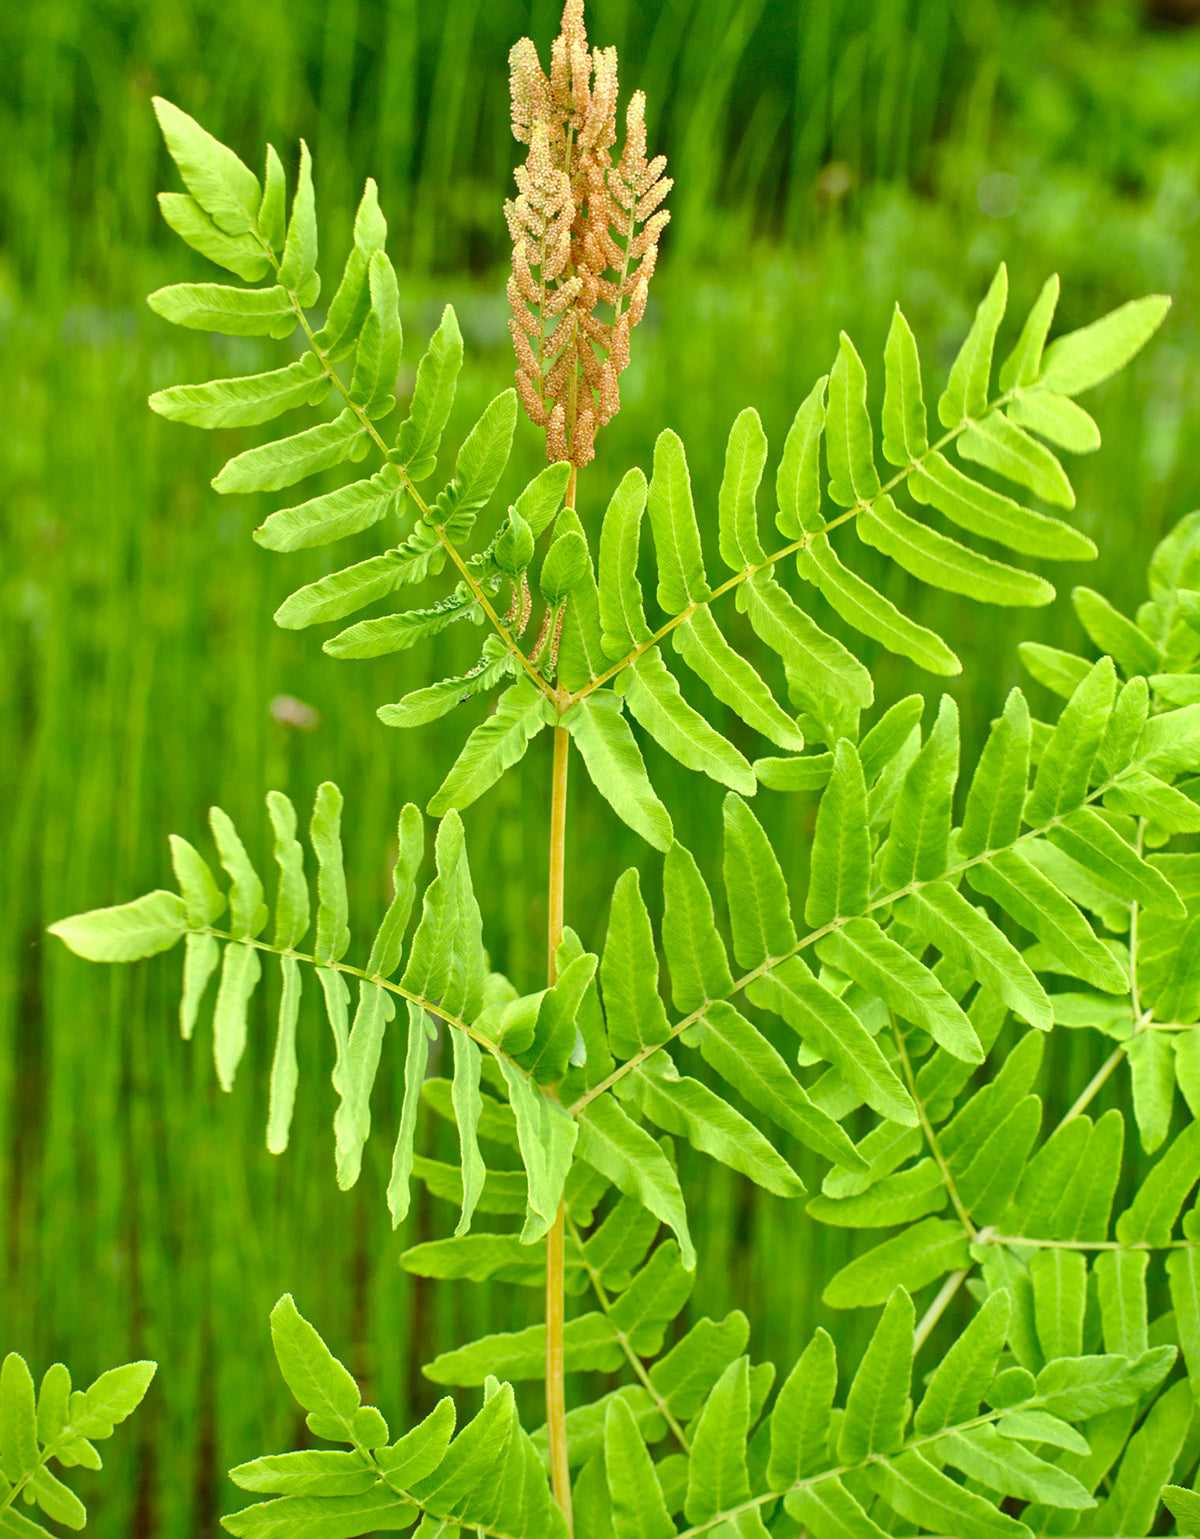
(558, 850)
(556, 1396)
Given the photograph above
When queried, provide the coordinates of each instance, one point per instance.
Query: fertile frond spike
(576, 239)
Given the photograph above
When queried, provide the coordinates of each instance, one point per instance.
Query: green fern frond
(55, 1422)
(600, 620)
(488, 1476)
(985, 1433)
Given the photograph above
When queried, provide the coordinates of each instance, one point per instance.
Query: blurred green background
(830, 157)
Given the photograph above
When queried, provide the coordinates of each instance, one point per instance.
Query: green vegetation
(144, 1215)
(56, 1422)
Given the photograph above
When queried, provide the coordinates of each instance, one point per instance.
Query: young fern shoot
(943, 908)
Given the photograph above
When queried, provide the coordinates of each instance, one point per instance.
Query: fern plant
(56, 1422)
(947, 910)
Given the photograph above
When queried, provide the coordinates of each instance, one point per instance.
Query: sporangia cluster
(585, 232)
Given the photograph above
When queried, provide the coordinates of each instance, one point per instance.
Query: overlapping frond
(1158, 702)
(56, 1422)
(1032, 1422)
(993, 1447)
(892, 938)
(941, 899)
(487, 1476)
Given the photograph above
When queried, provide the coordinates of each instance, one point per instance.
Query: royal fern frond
(610, 646)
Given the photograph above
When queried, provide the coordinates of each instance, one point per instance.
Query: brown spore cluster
(585, 230)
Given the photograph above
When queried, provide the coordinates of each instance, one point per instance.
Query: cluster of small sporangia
(584, 232)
